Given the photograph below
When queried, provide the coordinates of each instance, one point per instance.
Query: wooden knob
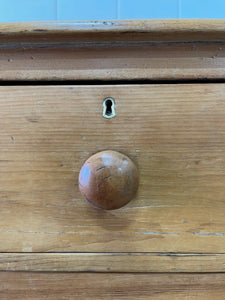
(108, 179)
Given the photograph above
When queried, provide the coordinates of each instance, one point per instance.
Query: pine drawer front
(174, 134)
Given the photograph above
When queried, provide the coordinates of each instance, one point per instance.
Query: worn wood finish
(115, 50)
(174, 134)
(113, 262)
(112, 61)
(111, 286)
(108, 180)
(114, 30)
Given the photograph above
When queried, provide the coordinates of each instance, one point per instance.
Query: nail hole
(108, 108)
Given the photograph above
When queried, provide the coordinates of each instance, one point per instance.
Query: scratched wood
(113, 262)
(136, 61)
(86, 286)
(114, 30)
(115, 50)
(174, 133)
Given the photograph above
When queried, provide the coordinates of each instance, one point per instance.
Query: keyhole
(108, 108)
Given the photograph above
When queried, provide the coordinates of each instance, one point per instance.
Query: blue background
(49, 10)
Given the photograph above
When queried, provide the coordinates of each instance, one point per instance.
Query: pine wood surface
(113, 50)
(175, 135)
(113, 262)
(72, 286)
(113, 61)
(114, 30)
(161, 244)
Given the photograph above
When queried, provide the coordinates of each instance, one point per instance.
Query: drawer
(174, 133)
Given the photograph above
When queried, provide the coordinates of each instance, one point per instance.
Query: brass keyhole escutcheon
(108, 108)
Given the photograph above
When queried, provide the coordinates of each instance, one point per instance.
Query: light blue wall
(47, 10)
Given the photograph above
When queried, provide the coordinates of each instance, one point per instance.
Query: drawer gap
(109, 82)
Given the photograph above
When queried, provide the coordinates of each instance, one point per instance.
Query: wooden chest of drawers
(167, 81)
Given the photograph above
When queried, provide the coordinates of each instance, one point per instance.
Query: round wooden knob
(108, 179)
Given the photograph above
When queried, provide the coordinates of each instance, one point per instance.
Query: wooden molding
(113, 50)
(114, 30)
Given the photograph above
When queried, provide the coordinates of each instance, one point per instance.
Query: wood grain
(113, 61)
(108, 180)
(115, 50)
(86, 286)
(113, 262)
(114, 30)
(174, 134)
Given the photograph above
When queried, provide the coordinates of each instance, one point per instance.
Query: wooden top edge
(134, 30)
(149, 25)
